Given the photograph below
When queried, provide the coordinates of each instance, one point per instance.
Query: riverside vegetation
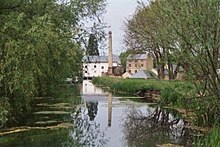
(40, 47)
(183, 33)
(176, 94)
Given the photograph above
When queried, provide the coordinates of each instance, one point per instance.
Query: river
(94, 117)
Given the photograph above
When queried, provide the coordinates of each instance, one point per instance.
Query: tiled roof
(143, 74)
(137, 56)
(100, 59)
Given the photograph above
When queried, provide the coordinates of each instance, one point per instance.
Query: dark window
(94, 66)
(102, 67)
(129, 71)
(85, 71)
(85, 66)
(135, 71)
(129, 65)
(142, 65)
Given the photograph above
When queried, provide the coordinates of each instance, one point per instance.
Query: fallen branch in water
(26, 128)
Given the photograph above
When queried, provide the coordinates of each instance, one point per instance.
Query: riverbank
(180, 95)
(172, 93)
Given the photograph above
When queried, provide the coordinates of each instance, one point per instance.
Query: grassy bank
(179, 94)
(212, 139)
(173, 93)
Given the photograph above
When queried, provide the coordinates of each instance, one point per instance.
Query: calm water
(96, 118)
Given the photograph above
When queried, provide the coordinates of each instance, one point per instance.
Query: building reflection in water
(109, 109)
(89, 89)
(92, 95)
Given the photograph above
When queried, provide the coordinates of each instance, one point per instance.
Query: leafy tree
(39, 48)
(92, 48)
(185, 32)
(196, 24)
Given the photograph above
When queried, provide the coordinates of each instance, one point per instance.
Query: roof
(143, 74)
(126, 75)
(100, 59)
(137, 56)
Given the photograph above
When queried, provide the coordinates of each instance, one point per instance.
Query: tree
(92, 48)
(39, 48)
(145, 31)
(197, 27)
(185, 32)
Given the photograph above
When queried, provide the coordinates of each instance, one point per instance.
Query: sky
(117, 12)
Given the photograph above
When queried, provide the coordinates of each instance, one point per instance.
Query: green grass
(212, 139)
(172, 92)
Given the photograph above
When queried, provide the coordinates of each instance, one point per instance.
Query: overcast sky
(117, 12)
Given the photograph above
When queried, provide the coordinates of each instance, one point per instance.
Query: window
(102, 67)
(85, 71)
(129, 71)
(85, 66)
(95, 71)
(135, 71)
(142, 65)
(129, 65)
(136, 65)
(94, 66)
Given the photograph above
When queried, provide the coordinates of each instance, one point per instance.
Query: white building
(95, 66)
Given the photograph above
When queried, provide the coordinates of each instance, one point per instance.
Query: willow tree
(39, 47)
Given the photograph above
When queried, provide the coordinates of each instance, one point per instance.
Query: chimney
(110, 64)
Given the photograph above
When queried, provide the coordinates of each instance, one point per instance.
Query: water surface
(97, 118)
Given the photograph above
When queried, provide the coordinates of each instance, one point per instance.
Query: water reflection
(123, 122)
(85, 132)
(153, 127)
(92, 110)
(89, 89)
(109, 109)
(101, 120)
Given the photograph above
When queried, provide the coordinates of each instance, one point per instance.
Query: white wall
(95, 69)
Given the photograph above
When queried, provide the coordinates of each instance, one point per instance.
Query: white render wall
(95, 69)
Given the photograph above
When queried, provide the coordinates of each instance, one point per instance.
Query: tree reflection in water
(85, 132)
(92, 109)
(154, 127)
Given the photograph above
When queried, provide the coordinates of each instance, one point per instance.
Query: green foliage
(185, 32)
(38, 48)
(172, 92)
(4, 111)
(92, 48)
(212, 139)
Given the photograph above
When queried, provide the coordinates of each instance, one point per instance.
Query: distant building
(138, 62)
(96, 66)
(126, 75)
(144, 74)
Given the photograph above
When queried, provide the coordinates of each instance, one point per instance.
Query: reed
(212, 139)
(172, 92)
